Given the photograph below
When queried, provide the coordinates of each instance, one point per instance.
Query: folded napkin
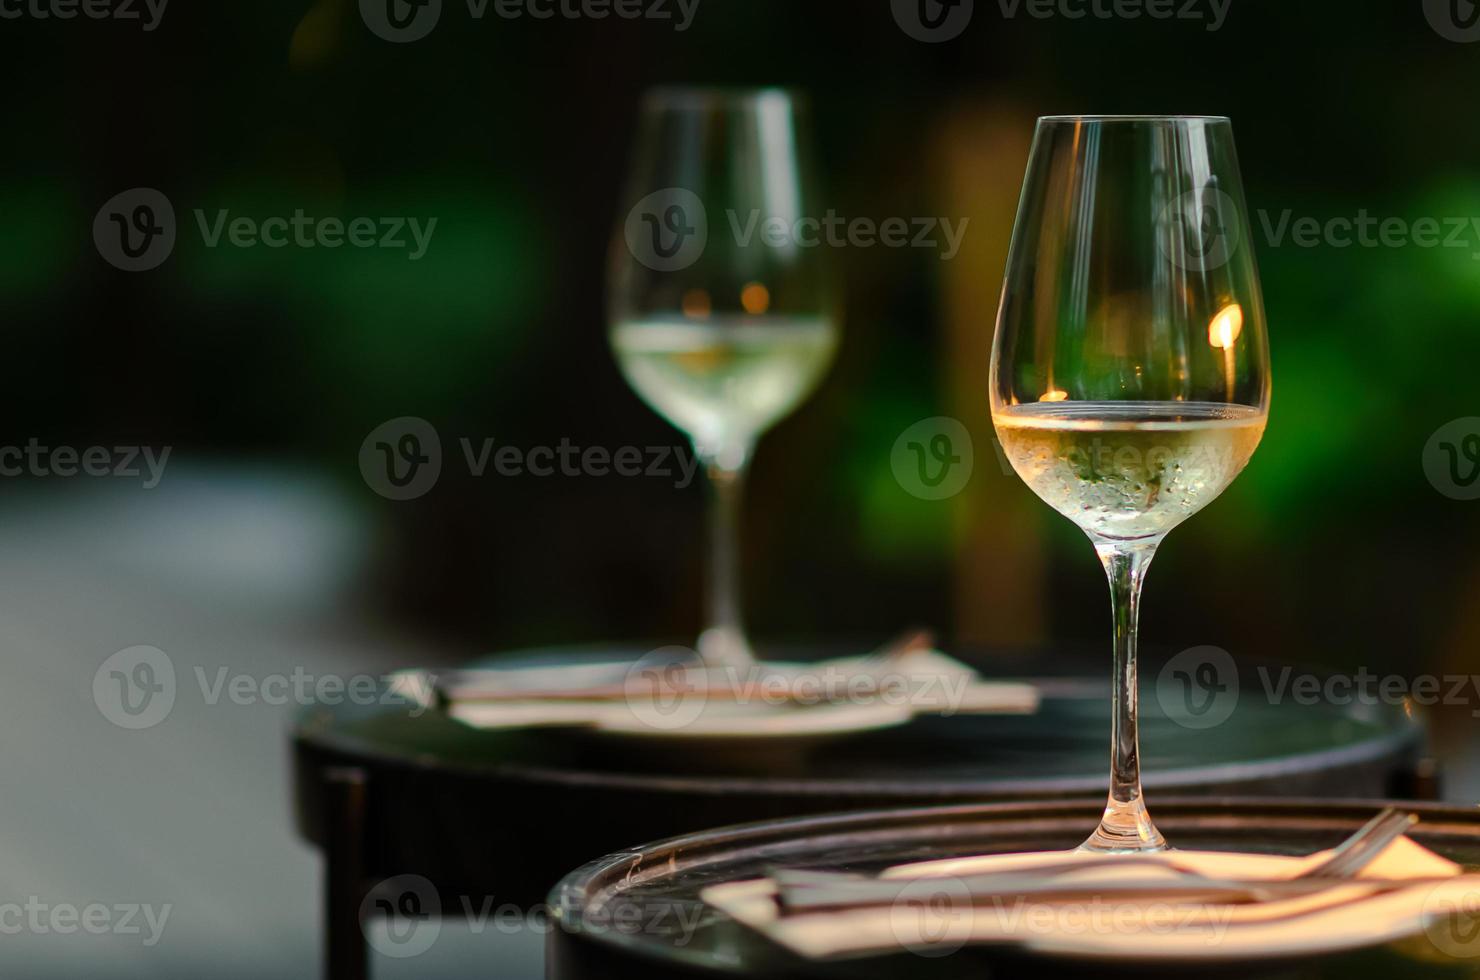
(1094, 912)
(768, 699)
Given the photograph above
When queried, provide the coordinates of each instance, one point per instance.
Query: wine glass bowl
(721, 325)
(1129, 470)
(1130, 377)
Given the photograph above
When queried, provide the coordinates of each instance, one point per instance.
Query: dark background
(264, 370)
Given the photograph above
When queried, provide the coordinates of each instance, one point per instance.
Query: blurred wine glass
(721, 315)
(1130, 371)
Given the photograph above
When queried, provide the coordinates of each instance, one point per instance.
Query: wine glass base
(1135, 839)
(722, 648)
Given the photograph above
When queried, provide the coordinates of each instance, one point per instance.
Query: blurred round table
(637, 913)
(385, 793)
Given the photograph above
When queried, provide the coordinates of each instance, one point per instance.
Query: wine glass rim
(710, 96)
(1113, 118)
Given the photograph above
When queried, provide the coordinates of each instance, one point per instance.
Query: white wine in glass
(724, 380)
(1128, 470)
(1130, 367)
(721, 334)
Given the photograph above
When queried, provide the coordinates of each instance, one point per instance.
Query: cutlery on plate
(799, 891)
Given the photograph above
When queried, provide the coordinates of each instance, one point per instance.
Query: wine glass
(1130, 369)
(720, 311)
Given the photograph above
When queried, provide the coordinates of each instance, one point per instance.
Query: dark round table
(384, 792)
(637, 914)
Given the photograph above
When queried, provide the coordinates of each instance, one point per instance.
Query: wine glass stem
(1126, 826)
(723, 643)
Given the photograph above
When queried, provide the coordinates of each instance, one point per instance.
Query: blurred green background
(263, 550)
(514, 134)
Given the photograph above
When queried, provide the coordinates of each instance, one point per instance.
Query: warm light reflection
(755, 298)
(1224, 331)
(1054, 395)
(696, 303)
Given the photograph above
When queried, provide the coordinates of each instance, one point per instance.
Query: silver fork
(1361, 848)
(803, 890)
